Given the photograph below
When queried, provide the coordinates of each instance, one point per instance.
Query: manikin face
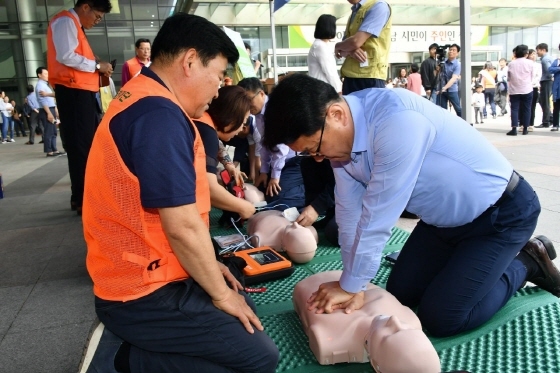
(395, 347)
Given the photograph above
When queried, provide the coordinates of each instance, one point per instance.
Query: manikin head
(299, 243)
(253, 194)
(268, 229)
(396, 347)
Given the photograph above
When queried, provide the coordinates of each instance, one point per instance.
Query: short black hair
(251, 84)
(414, 67)
(325, 28)
(100, 5)
(521, 50)
(39, 70)
(543, 46)
(140, 41)
(30, 88)
(247, 46)
(183, 31)
(433, 45)
(297, 107)
(456, 46)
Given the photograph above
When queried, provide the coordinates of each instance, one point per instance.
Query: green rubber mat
(524, 336)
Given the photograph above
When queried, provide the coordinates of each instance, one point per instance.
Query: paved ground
(46, 302)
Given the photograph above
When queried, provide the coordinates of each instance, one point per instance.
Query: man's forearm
(348, 45)
(190, 240)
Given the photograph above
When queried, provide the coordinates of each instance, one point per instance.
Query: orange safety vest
(206, 119)
(129, 255)
(68, 76)
(134, 67)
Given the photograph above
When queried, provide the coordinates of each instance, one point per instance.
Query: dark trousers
(489, 98)
(357, 84)
(501, 99)
(556, 113)
(521, 109)
(460, 277)
(534, 100)
(79, 118)
(453, 97)
(20, 129)
(49, 136)
(33, 123)
(544, 100)
(177, 328)
(293, 189)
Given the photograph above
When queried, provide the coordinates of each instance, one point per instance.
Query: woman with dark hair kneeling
(224, 118)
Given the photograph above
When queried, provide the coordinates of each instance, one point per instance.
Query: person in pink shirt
(414, 80)
(520, 76)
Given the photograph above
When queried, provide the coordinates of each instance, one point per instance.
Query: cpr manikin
(271, 228)
(384, 329)
(252, 194)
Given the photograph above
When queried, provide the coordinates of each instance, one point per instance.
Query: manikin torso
(392, 333)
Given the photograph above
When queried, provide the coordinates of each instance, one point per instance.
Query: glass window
(544, 35)
(530, 37)
(297, 61)
(144, 10)
(498, 36)
(123, 11)
(145, 29)
(97, 38)
(165, 11)
(120, 43)
(478, 57)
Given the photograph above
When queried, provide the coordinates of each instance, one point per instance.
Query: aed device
(262, 260)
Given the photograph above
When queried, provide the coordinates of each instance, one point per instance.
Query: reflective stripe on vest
(67, 76)
(129, 255)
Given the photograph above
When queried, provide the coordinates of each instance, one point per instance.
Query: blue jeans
(460, 277)
(293, 188)
(453, 97)
(178, 328)
(7, 126)
(489, 97)
(521, 109)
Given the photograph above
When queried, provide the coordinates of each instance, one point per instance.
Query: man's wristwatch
(98, 67)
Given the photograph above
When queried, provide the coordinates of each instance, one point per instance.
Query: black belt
(510, 188)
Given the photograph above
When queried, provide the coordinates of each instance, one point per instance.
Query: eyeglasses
(316, 153)
(98, 16)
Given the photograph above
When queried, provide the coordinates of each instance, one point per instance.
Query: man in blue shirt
(546, 84)
(391, 150)
(450, 80)
(33, 115)
(48, 113)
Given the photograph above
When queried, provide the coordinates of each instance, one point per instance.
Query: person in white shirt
(321, 61)
(537, 74)
(8, 121)
(478, 102)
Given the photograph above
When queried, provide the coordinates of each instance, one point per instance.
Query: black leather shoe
(525, 131)
(513, 132)
(542, 126)
(554, 129)
(541, 249)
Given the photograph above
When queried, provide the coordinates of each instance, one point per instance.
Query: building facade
(23, 28)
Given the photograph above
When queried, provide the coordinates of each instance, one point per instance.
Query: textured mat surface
(523, 337)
